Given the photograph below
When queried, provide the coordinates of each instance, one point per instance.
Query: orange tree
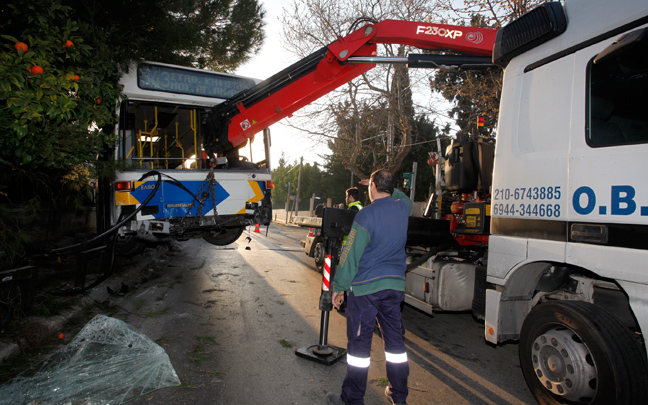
(55, 92)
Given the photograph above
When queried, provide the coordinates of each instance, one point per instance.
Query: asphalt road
(230, 319)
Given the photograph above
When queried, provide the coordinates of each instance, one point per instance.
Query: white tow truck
(545, 236)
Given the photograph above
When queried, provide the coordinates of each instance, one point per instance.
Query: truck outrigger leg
(336, 224)
(322, 352)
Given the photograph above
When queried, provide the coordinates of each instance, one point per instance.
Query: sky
(270, 60)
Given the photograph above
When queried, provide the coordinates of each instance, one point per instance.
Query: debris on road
(108, 362)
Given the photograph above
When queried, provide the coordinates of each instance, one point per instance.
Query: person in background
(372, 269)
(352, 203)
(353, 199)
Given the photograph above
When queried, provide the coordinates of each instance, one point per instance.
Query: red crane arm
(233, 122)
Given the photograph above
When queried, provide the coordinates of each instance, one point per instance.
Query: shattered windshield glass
(108, 362)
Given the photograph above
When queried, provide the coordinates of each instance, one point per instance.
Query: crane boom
(231, 123)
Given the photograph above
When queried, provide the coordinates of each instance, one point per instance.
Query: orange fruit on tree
(68, 43)
(37, 70)
(76, 77)
(21, 45)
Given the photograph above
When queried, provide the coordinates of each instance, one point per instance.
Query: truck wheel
(224, 236)
(319, 254)
(575, 352)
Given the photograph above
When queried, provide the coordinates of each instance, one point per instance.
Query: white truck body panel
(542, 159)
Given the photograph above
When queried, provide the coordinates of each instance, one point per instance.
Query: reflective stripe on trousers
(361, 362)
(396, 357)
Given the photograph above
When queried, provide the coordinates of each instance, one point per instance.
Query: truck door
(608, 197)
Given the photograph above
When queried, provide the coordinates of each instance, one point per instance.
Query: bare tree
(369, 122)
(371, 117)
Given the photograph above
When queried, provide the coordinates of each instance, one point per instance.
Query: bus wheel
(129, 245)
(575, 352)
(224, 236)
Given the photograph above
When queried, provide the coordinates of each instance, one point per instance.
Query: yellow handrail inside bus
(130, 151)
(166, 151)
(179, 145)
(150, 134)
(140, 149)
(194, 128)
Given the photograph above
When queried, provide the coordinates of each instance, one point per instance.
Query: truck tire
(319, 254)
(573, 352)
(223, 237)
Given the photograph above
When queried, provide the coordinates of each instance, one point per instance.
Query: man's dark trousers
(362, 313)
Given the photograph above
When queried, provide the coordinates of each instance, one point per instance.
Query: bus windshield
(160, 120)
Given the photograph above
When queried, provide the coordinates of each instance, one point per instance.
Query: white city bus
(160, 132)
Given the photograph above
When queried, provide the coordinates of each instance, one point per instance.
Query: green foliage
(473, 94)
(337, 180)
(51, 120)
(12, 241)
(281, 177)
(26, 195)
(363, 140)
(331, 181)
(217, 34)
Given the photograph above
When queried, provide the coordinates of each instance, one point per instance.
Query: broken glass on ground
(108, 362)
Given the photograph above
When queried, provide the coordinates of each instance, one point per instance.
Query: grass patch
(185, 384)
(207, 340)
(211, 290)
(157, 314)
(380, 382)
(210, 303)
(212, 373)
(201, 351)
(164, 340)
(36, 342)
(286, 344)
(137, 305)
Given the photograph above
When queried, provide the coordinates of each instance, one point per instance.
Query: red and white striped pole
(326, 274)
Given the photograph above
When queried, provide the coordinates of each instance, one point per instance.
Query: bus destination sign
(174, 80)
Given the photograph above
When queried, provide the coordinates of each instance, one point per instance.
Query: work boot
(334, 399)
(388, 395)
